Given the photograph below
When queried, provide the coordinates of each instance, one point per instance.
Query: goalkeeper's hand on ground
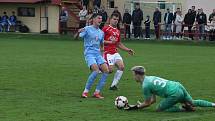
(131, 107)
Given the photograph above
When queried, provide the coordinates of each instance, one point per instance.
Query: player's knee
(106, 71)
(121, 68)
(110, 71)
(96, 71)
(158, 110)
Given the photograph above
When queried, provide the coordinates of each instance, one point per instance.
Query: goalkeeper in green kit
(173, 92)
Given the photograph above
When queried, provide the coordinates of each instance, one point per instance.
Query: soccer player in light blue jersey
(93, 43)
(173, 92)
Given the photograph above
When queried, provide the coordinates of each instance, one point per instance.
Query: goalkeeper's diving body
(173, 92)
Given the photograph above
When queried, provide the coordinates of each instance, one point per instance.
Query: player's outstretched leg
(104, 69)
(100, 86)
(89, 83)
(118, 74)
(116, 79)
(203, 103)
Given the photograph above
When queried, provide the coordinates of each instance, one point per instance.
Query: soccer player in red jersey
(112, 41)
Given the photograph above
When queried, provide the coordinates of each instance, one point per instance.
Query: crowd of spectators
(192, 25)
(174, 24)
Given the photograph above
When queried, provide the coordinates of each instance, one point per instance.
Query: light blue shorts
(94, 59)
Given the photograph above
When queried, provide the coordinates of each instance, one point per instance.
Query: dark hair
(137, 4)
(139, 72)
(114, 14)
(95, 15)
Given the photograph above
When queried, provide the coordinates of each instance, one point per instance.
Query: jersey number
(160, 82)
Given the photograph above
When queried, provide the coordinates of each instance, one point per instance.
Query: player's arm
(108, 42)
(145, 104)
(149, 100)
(140, 105)
(153, 99)
(77, 34)
(123, 47)
(102, 43)
(112, 40)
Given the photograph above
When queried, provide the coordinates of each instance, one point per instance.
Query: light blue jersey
(93, 38)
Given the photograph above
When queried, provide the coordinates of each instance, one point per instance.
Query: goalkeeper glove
(131, 107)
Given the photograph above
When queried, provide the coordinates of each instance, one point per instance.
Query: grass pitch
(43, 76)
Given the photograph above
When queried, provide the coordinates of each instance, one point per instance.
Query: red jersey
(109, 32)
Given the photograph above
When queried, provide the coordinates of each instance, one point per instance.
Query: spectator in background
(201, 19)
(104, 17)
(147, 27)
(189, 20)
(0, 25)
(127, 22)
(97, 3)
(85, 3)
(64, 16)
(137, 18)
(89, 17)
(193, 18)
(178, 24)
(168, 18)
(212, 29)
(89, 21)
(175, 13)
(95, 10)
(157, 21)
(82, 14)
(120, 17)
(174, 17)
(193, 11)
(12, 21)
(212, 15)
(4, 22)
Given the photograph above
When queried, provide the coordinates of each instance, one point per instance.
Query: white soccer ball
(121, 102)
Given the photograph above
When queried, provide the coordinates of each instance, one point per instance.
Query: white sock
(86, 90)
(117, 77)
(213, 104)
(97, 91)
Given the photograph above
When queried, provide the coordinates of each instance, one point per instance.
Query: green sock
(202, 103)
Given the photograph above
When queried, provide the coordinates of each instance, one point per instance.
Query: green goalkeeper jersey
(158, 86)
